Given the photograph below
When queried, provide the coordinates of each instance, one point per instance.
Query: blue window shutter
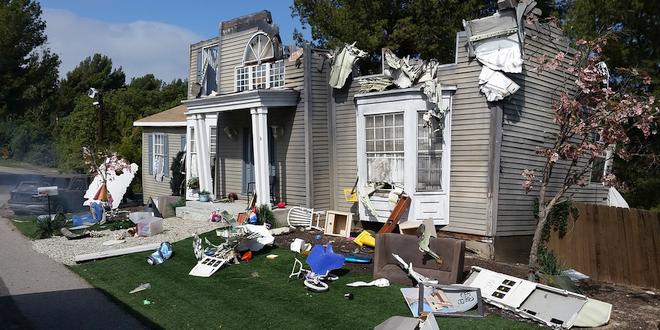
(150, 153)
(166, 154)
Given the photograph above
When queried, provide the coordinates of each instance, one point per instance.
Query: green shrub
(179, 203)
(48, 227)
(548, 262)
(265, 215)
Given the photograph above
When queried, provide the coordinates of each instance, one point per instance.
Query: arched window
(259, 49)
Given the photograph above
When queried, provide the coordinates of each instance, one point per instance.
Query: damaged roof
(171, 117)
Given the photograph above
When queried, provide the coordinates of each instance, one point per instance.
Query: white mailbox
(47, 191)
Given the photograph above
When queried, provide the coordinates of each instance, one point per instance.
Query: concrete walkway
(39, 293)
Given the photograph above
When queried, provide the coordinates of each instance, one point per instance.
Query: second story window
(207, 68)
(259, 70)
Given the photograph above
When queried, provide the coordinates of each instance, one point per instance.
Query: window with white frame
(259, 76)
(384, 147)
(277, 74)
(242, 78)
(159, 154)
(429, 156)
(193, 154)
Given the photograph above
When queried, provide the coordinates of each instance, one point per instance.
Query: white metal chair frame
(304, 217)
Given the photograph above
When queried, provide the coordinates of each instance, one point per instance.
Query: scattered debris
(280, 231)
(303, 217)
(159, 256)
(358, 258)
(395, 252)
(425, 322)
(321, 260)
(365, 238)
(443, 300)
(141, 287)
(348, 296)
(272, 256)
(146, 302)
(117, 252)
(544, 304)
(425, 231)
(338, 223)
(412, 273)
(69, 235)
(402, 205)
(381, 283)
(237, 238)
(115, 186)
(342, 64)
(114, 242)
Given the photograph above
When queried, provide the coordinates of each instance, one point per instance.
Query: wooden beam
(117, 252)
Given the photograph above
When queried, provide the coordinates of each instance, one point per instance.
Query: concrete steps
(200, 211)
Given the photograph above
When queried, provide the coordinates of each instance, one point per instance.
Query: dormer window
(259, 49)
(259, 69)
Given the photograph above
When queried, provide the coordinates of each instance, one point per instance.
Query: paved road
(39, 293)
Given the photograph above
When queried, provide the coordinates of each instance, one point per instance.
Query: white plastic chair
(303, 217)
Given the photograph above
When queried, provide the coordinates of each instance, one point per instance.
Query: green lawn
(253, 295)
(26, 225)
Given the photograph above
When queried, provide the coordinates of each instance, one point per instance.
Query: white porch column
(203, 156)
(261, 161)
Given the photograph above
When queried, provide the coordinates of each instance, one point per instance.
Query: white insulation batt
(495, 85)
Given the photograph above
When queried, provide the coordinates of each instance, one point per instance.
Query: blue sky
(146, 36)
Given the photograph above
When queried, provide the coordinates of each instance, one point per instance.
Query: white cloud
(139, 47)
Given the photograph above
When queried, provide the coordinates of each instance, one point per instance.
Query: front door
(248, 159)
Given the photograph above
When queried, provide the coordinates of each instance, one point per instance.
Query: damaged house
(300, 126)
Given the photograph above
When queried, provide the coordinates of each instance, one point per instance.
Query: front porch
(234, 146)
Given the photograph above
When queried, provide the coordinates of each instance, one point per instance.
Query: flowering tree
(593, 119)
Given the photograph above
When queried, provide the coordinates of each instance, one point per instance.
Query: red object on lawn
(246, 256)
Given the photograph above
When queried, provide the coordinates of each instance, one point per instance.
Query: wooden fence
(612, 244)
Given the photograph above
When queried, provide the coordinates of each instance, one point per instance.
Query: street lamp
(95, 94)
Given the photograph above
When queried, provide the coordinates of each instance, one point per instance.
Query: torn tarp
(342, 64)
(495, 85)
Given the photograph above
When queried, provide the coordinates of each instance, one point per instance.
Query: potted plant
(193, 184)
(204, 196)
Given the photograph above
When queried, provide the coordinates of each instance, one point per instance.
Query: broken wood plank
(116, 252)
(401, 206)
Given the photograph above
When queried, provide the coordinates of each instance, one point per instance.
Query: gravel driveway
(64, 250)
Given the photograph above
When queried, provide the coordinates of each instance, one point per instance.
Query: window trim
(250, 76)
(154, 153)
